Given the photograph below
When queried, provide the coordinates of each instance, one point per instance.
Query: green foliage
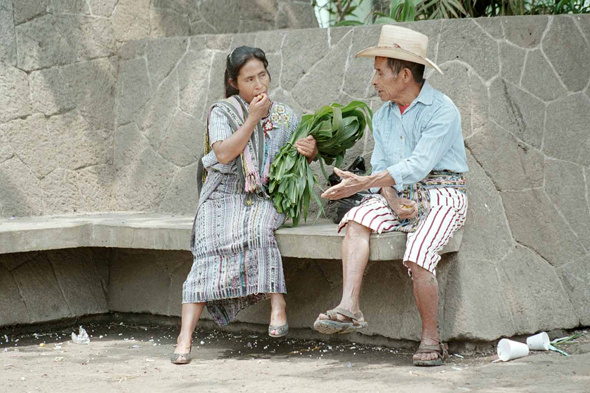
(442, 9)
(412, 10)
(336, 128)
(399, 11)
(340, 10)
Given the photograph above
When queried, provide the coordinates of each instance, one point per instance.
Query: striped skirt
(447, 213)
(236, 258)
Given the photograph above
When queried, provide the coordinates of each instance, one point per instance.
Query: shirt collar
(426, 94)
(425, 97)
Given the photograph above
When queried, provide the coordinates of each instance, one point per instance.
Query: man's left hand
(349, 185)
(307, 147)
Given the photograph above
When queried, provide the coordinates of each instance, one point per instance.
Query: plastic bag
(357, 167)
(82, 337)
(342, 206)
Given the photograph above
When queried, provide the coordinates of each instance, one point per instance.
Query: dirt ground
(135, 358)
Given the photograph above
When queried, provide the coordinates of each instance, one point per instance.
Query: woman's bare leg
(191, 312)
(278, 314)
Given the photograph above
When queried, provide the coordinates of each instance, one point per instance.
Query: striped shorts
(448, 208)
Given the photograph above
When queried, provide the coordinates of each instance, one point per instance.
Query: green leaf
(385, 20)
(348, 23)
(336, 129)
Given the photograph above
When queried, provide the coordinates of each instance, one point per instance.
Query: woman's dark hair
(235, 61)
(416, 69)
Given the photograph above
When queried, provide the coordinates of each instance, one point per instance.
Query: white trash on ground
(81, 337)
(538, 342)
(508, 350)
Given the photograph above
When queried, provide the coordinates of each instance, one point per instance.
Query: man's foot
(278, 326)
(182, 353)
(430, 353)
(339, 320)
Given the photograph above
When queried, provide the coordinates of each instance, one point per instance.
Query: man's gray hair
(416, 69)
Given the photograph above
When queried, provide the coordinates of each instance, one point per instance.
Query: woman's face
(253, 80)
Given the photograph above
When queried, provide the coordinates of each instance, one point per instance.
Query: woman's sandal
(282, 330)
(441, 351)
(333, 325)
(181, 358)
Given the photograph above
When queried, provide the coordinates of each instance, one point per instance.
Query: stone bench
(164, 232)
(68, 266)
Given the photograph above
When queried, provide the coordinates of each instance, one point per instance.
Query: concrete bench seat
(164, 232)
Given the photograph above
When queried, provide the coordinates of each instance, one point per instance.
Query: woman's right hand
(259, 107)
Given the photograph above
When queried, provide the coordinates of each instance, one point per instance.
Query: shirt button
(401, 138)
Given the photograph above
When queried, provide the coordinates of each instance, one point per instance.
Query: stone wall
(58, 82)
(521, 84)
(44, 286)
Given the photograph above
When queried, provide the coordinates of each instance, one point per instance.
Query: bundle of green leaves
(336, 128)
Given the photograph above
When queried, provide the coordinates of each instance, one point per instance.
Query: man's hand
(307, 147)
(404, 208)
(349, 185)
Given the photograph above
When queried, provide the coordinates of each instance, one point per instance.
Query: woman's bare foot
(183, 345)
(278, 314)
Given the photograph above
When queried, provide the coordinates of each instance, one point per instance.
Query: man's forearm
(380, 180)
(388, 192)
(352, 183)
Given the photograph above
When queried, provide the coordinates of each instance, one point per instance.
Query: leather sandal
(441, 351)
(334, 325)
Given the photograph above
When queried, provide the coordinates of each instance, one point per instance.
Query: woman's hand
(259, 107)
(307, 147)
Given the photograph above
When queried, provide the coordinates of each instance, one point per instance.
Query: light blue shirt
(426, 137)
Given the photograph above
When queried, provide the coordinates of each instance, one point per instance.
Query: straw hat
(400, 43)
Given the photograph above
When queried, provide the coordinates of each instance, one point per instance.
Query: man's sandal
(181, 358)
(441, 351)
(333, 325)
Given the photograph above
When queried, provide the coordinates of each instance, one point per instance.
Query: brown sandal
(441, 351)
(333, 325)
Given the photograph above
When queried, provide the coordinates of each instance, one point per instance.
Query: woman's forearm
(228, 149)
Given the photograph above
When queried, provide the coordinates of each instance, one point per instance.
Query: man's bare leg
(191, 312)
(355, 255)
(426, 296)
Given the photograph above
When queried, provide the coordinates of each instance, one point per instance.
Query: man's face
(387, 84)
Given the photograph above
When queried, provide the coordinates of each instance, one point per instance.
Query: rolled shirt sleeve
(379, 156)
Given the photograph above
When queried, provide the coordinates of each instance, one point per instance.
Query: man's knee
(419, 273)
(355, 231)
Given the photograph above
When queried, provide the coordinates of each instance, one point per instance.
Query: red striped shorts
(448, 208)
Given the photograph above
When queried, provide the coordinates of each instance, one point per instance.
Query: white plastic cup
(508, 350)
(538, 342)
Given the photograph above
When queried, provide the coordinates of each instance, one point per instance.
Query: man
(418, 164)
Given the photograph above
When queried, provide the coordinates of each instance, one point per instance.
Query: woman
(236, 258)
